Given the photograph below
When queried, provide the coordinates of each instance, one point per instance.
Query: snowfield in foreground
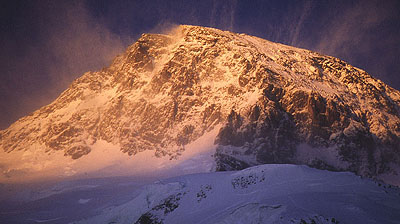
(261, 194)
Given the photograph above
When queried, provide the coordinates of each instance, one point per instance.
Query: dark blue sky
(46, 44)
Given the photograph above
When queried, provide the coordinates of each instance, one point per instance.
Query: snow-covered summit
(275, 104)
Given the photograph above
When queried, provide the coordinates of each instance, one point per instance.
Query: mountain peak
(271, 103)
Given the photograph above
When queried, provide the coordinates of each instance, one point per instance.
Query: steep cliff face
(276, 103)
(324, 113)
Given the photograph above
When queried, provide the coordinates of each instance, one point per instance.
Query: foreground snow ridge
(261, 194)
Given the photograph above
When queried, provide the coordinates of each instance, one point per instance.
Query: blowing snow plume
(61, 42)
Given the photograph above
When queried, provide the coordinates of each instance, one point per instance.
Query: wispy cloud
(353, 26)
(361, 34)
(297, 26)
(222, 14)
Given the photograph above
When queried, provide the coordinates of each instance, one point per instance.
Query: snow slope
(107, 160)
(65, 201)
(260, 194)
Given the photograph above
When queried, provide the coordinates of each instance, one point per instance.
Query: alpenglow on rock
(272, 103)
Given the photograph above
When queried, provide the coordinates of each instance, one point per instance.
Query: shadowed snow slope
(260, 194)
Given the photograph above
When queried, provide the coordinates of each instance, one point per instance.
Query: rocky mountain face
(275, 104)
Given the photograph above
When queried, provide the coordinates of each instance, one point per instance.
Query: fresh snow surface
(260, 194)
